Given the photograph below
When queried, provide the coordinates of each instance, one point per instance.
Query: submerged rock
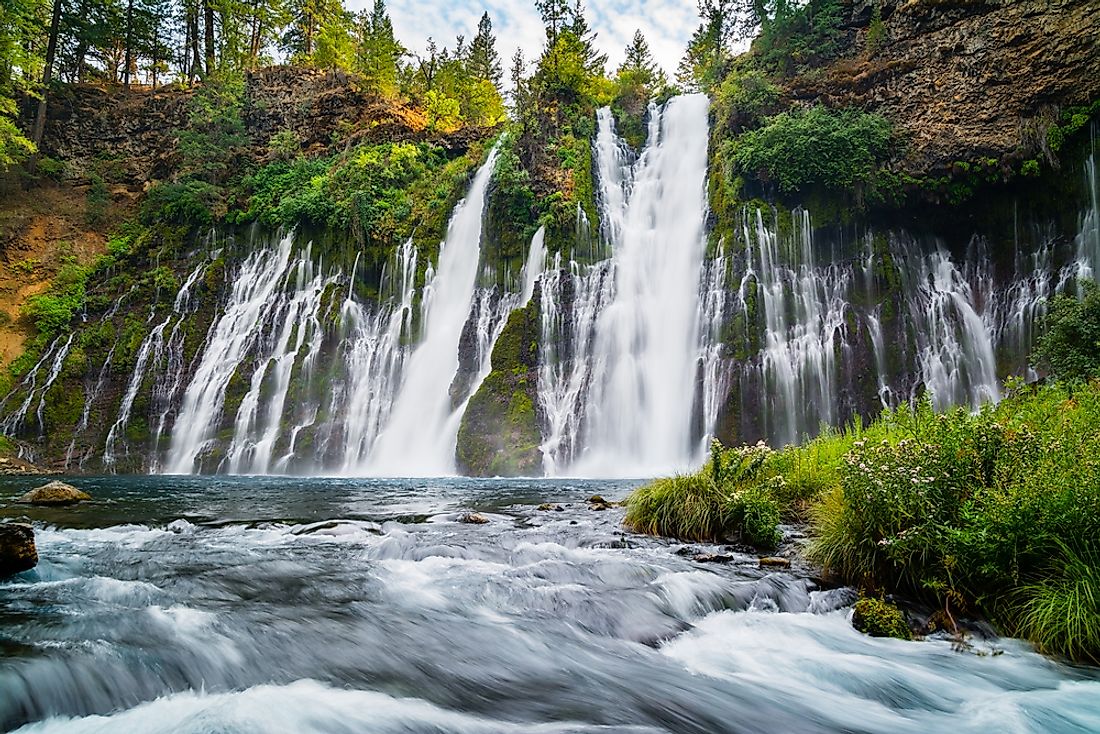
(774, 562)
(55, 493)
(17, 550)
(550, 507)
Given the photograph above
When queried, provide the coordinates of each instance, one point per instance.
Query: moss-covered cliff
(500, 433)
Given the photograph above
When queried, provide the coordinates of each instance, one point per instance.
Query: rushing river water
(187, 604)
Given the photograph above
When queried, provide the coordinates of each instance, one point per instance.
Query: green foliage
(876, 30)
(190, 201)
(813, 147)
(382, 194)
(968, 509)
(1071, 121)
(1069, 347)
(1030, 168)
(53, 310)
(880, 618)
(797, 36)
(284, 144)
(96, 200)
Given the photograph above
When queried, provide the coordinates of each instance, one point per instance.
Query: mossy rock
(499, 435)
(880, 618)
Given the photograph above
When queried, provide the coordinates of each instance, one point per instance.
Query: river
(235, 604)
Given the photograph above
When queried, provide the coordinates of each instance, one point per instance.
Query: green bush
(53, 310)
(190, 201)
(814, 147)
(1069, 347)
(1061, 613)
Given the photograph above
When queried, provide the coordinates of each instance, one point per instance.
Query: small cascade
(803, 307)
(230, 339)
(714, 366)
(55, 355)
(1088, 238)
(534, 266)
(373, 349)
(423, 426)
(292, 332)
(153, 342)
(953, 327)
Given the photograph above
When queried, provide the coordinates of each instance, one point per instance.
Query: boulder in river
(474, 518)
(55, 493)
(774, 562)
(17, 551)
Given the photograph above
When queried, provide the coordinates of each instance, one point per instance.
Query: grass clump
(688, 506)
(1061, 613)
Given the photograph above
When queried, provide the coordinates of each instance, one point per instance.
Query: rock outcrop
(17, 549)
(966, 79)
(499, 435)
(54, 494)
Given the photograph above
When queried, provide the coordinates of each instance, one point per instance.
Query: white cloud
(667, 25)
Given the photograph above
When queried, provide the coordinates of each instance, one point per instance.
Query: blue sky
(667, 25)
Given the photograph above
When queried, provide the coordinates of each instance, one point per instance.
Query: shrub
(1069, 347)
(814, 147)
(52, 311)
(880, 618)
(284, 144)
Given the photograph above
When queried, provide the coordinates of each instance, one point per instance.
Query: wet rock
(10, 466)
(550, 507)
(474, 518)
(17, 551)
(598, 503)
(774, 562)
(712, 558)
(54, 494)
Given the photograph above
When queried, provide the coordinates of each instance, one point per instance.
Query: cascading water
(621, 338)
(420, 436)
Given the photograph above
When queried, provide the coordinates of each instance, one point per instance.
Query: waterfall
(804, 307)
(420, 436)
(152, 342)
(621, 346)
(1088, 238)
(229, 340)
(374, 353)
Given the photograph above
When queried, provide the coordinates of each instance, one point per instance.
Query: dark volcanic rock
(17, 550)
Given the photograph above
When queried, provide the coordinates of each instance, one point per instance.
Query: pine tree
(639, 61)
(594, 61)
(555, 16)
(378, 52)
(484, 62)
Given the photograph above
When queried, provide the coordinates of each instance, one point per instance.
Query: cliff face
(137, 132)
(965, 79)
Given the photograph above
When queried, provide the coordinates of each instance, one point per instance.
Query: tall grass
(1061, 613)
(689, 506)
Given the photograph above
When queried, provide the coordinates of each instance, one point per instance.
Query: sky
(666, 24)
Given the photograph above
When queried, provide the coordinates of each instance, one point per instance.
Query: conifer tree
(378, 51)
(484, 62)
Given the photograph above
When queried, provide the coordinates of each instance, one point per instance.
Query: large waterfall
(624, 404)
(653, 334)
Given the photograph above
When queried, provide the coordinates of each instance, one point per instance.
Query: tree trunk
(47, 74)
(208, 33)
(129, 44)
(193, 19)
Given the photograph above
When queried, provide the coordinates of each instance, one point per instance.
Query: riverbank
(993, 514)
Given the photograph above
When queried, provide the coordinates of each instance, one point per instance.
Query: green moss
(499, 434)
(880, 618)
